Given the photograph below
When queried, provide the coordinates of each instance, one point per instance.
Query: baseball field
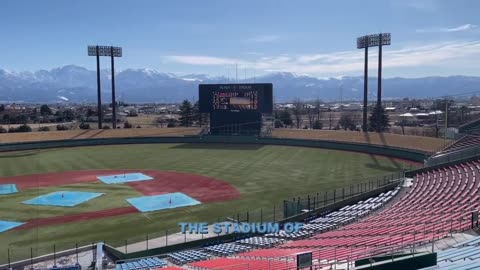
(224, 179)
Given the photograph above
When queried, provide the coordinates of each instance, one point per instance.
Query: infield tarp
(63, 198)
(7, 225)
(160, 202)
(123, 178)
(8, 189)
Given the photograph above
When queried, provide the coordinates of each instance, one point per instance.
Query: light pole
(111, 51)
(365, 42)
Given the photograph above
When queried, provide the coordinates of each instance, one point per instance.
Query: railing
(454, 156)
(337, 259)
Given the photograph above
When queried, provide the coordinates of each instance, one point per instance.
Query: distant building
(390, 109)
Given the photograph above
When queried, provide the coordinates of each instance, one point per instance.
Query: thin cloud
(264, 38)
(419, 5)
(350, 62)
(460, 28)
(202, 60)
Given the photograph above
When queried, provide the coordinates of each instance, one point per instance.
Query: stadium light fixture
(374, 40)
(113, 52)
(366, 42)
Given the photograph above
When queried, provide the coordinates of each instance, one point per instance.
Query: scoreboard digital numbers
(235, 101)
(236, 97)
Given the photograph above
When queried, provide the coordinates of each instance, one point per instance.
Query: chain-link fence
(309, 202)
(469, 150)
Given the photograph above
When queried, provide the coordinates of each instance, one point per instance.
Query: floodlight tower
(94, 51)
(364, 43)
(112, 52)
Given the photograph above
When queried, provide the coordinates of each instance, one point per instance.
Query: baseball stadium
(114, 198)
(300, 164)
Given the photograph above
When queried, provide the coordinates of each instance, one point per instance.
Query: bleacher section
(465, 255)
(66, 267)
(349, 213)
(243, 264)
(289, 236)
(145, 263)
(465, 142)
(188, 256)
(222, 250)
(439, 202)
(261, 242)
(262, 257)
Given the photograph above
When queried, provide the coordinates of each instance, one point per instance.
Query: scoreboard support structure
(236, 109)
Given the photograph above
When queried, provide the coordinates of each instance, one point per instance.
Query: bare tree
(161, 120)
(330, 120)
(318, 110)
(349, 120)
(403, 122)
(297, 111)
(311, 113)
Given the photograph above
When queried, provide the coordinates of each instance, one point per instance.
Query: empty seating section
(289, 236)
(268, 257)
(226, 249)
(261, 242)
(187, 256)
(465, 255)
(243, 264)
(464, 143)
(440, 201)
(66, 267)
(145, 263)
(349, 213)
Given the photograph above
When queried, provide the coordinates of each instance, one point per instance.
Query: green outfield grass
(264, 176)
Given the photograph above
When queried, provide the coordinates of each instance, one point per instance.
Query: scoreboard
(236, 97)
(235, 101)
(236, 109)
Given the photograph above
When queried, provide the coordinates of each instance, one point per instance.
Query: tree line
(189, 115)
(312, 114)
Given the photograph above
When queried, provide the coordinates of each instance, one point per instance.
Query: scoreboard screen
(235, 100)
(236, 97)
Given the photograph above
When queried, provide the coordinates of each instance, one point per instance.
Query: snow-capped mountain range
(78, 84)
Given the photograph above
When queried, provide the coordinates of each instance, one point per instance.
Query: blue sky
(317, 38)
